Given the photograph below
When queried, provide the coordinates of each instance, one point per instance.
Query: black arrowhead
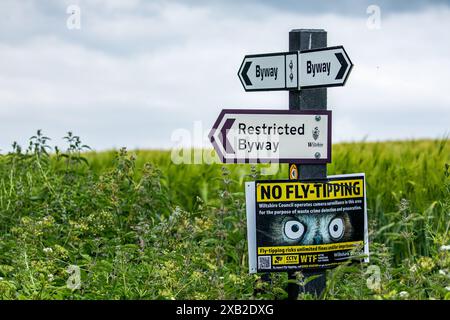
(244, 73)
(344, 65)
(223, 135)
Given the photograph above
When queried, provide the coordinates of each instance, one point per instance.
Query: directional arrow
(324, 67)
(272, 136)
(244, 73)
(344, 65)
(223, 135)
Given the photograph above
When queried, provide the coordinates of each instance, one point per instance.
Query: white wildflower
(1, 278)
(48, 250)
(447, 288)
(445, 247)
(442, 272)
(403, 294)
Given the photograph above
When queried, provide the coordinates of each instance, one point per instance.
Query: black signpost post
(310, 99)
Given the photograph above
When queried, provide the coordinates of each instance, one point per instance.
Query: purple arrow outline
(225, 112)
(223, 135)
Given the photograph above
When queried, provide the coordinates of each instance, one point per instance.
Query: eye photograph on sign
(225, 158)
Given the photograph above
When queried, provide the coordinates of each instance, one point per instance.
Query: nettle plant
(73, 153)
(57, 213)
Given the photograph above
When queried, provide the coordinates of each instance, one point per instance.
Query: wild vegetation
(76, 224)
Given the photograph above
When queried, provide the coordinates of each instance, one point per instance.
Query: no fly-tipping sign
(306, 224)
(323, 67)
(284, 136)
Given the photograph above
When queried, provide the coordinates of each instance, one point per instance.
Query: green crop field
(77, 224)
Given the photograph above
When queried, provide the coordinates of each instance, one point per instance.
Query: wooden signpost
(311, 221)
(309, 99)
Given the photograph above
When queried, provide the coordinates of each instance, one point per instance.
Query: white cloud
(129, 78)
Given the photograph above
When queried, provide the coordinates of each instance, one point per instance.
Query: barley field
(79, 224)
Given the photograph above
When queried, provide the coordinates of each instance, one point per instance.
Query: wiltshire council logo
(316, 133)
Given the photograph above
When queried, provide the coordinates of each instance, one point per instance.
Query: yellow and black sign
(306, 191)
(309, 224)
(312, 248)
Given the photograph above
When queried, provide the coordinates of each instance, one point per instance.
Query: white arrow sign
(324, 67)
(272, 136)
(272, 71)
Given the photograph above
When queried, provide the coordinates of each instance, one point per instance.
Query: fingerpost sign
(296, 70)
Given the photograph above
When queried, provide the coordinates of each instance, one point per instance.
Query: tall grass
(138, 226)
(405, 184)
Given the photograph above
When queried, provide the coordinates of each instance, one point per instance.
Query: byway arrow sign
(272, 71)
(324, 67)
(295, 70)
(242, 136)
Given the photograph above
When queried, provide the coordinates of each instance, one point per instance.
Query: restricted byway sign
(252, 136)
(295, 70)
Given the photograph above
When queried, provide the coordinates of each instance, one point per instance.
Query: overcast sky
(137, 71)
